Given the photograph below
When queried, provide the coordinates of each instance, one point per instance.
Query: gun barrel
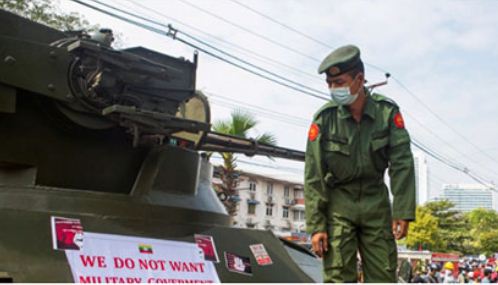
(226, 143)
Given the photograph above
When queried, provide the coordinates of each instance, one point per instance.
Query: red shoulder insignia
(398, 121)
(313, 132)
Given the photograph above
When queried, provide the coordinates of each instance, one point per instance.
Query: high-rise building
(421, 177)
(468, 197)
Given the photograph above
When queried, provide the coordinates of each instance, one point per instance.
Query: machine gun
(96, 87)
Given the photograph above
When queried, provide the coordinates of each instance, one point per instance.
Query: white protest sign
(121, 259)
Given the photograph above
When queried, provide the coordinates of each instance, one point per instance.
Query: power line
(307, 36)
(248, 52)
(262, 114)
(432, 154)
(429, 152)
(319, 42)
(287, 169)
(443, 121)
(301, 33)
(173, 33)
(260, 109)
(450, 145)
(282, 24)
(454, 166)
(223, 19)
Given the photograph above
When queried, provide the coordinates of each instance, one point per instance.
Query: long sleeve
(314, 188)
(401, 169)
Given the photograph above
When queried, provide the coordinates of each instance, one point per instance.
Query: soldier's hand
(400, 228)
(320, 243)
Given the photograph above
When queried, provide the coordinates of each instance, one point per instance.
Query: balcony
(252, 199)
(298, 204)
(289, 202)
(298, 207)
(251, 221)
(270, 200)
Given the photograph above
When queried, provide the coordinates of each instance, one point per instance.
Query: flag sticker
(145, 248)
(206, 243)
(67, 234)
(261, 255)
(238, 264)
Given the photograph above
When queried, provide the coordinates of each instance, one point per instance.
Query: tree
(45, 12)
(238, 125)
(453, 227)
(483, 230)
(488, 242)
(423, 233)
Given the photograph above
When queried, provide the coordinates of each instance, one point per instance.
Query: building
(467, 197)
(421, 177)
(271, 204)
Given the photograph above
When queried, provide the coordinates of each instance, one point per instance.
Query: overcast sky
(444, 52)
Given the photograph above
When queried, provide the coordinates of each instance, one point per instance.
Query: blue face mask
(342, 95)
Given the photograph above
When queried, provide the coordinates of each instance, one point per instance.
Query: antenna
(371, 87)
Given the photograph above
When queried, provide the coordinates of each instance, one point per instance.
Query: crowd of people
(467, 270)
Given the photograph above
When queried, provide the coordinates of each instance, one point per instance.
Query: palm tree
(239, 124)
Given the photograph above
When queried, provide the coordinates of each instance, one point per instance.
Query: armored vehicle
(107, 143)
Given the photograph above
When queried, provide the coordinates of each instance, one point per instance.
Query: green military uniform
(345, 192)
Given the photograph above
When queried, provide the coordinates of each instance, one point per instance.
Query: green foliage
(45, 12)
(453, 228)
(239, 125)
(488, 241)
(440, 228)
(424, 231)
(483, 230)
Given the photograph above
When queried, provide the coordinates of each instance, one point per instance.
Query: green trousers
(364, 227)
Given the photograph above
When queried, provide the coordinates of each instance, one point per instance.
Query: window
(286, 191)
(269, 189)
(252, 186)
(298, 193)
(298, 215)
(269, 210)
(285, 212)
(251, 209)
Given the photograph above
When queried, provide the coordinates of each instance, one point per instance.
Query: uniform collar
(369, 110)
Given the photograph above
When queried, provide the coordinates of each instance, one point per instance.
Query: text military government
(352, 140)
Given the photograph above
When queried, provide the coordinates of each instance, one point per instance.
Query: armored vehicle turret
(101, 149)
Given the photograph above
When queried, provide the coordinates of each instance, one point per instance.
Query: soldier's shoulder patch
(398, 121)
(382, 98)
(313, 132)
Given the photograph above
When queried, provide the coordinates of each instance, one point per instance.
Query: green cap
(340, 60)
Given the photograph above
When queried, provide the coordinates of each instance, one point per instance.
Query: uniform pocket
(335, 241)
(337, 153)
(337, 144)
(391, 250)
(379, 143)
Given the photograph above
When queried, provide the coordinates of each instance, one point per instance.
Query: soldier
(352, 140)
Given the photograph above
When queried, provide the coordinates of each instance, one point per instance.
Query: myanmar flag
(145, 248)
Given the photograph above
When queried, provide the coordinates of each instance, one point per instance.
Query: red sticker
(398, 121)
(313, 132)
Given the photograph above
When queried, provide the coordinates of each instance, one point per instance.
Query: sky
(441, 54)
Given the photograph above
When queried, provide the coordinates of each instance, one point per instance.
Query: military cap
(341, 60)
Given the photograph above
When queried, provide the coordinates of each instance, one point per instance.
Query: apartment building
(271, 204)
